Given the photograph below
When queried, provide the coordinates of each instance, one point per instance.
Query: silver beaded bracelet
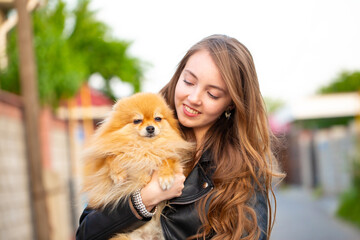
(139, 205)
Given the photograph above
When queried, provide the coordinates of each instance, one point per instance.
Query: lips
(190, 111)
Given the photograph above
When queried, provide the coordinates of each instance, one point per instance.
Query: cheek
(217, 110)
(179, 93)
(143, 132)
(139, 129)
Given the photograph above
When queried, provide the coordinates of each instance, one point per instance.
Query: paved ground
(301, 217)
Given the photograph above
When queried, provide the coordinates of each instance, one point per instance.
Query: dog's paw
(166, 182)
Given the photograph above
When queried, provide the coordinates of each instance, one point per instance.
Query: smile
(190, 112)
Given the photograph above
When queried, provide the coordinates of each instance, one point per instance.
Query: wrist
(134, 210)
(139, 206)
(148, 199)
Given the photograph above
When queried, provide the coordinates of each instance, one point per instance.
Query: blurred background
(64, 63)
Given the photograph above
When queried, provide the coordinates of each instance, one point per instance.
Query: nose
(194, 97)
(150, 129)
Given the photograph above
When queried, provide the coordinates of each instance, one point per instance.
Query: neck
(199, 135)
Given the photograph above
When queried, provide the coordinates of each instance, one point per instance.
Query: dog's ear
(168, 113)
(172, 121)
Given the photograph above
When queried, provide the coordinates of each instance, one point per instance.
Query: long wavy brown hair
(240, 146)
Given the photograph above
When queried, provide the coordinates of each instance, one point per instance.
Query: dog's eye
(137, 121)
(157, 119)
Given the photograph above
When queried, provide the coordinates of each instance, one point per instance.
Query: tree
(345, 82)
(272, 104)
(103, 53)
(67, 54)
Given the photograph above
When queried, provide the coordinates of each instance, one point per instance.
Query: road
(300, 216)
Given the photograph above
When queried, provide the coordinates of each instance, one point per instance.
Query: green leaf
(65, 59)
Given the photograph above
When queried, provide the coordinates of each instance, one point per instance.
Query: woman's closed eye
(212, 95)
(187, 82)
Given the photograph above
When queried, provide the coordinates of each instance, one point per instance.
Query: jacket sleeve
(261, 209)
(101, 225)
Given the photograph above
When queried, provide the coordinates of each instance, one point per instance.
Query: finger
(181, 177)
(180, 174)
(179, 193)
(155, 174)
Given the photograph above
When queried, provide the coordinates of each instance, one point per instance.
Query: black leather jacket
(178, 222)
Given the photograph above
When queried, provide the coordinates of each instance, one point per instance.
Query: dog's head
(144, 114)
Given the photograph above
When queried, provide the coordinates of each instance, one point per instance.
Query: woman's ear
(231, 106)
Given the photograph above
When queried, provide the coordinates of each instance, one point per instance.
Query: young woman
(217, 100)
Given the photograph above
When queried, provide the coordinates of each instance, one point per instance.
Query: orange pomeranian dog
(140, 136)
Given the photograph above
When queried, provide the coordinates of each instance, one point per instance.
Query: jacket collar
(205, 157)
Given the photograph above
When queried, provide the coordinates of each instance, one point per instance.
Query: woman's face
(201, 95)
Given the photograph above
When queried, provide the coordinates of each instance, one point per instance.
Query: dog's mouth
(150, 135)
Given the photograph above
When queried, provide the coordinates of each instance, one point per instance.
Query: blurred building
(88, 104)
(320, 136)
(8, 21)
(62, 135)
(5, 7)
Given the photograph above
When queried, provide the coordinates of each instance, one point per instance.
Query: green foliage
(323, 122)
(9, 79)
(102, 53)
(60, 71)
(65, 59)
(273, 104)
(345, 82)
(349, 207)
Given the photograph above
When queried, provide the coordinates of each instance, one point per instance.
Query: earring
(227, 114)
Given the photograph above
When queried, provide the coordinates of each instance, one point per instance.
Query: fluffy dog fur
(140, 136)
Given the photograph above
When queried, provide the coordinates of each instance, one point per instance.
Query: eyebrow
(191, 73)
(212, 86)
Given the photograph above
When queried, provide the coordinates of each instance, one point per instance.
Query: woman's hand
(152, 194)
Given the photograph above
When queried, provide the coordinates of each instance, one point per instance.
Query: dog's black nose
(150, 129)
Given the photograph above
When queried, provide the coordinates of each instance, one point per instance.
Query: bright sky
(297, 46)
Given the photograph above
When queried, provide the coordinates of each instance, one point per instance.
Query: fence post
(28, 78)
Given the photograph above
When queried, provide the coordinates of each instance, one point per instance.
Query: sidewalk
(302, 217)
